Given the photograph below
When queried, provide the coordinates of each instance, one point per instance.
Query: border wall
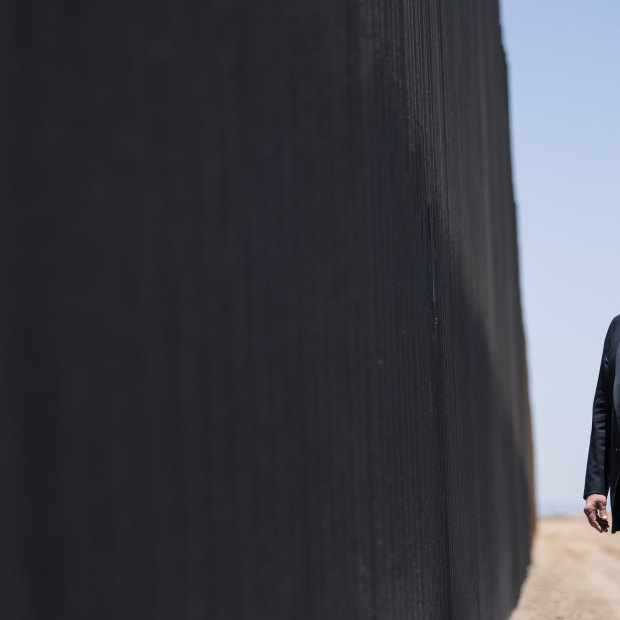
(261, 338)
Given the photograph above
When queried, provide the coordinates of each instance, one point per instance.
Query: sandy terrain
(575, 573)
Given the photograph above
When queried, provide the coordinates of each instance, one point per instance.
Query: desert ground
(574, 575)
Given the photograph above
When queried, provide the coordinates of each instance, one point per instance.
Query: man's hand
(596, 512)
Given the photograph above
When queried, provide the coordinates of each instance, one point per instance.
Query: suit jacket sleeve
(597, 469)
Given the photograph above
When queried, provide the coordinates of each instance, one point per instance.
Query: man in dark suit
(604, 454)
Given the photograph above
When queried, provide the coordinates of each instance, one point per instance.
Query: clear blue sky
(564, 79)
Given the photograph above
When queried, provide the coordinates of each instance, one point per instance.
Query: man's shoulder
(613, 330)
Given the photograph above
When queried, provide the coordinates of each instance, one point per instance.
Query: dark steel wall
(261, 340)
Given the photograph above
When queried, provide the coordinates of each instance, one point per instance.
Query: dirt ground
(574, 575)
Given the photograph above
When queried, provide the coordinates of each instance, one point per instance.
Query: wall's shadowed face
(262, 326)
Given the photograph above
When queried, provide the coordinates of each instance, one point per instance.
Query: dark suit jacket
(604, 454)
